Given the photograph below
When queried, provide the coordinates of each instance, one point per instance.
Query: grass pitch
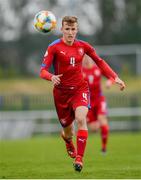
(46, 158)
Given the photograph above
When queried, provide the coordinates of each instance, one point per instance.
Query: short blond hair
(69, 20)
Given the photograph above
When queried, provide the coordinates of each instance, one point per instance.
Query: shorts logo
(63, 121)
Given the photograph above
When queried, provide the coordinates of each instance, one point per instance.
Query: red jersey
(93, 77)
(67, 60)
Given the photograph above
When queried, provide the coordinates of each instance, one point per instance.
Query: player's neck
(69, 43)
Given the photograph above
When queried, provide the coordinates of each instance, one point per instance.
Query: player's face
(69, 32)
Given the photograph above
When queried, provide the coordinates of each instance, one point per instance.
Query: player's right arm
(47, 61)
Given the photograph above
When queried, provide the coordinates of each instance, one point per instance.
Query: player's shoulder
(54, 43)
(79, 41)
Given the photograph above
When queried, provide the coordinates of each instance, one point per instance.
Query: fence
(40, 102)
(20, 124)
(130, 54)
(36, 114)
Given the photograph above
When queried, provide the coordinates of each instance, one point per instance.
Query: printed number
(72, 61)
(85, 96)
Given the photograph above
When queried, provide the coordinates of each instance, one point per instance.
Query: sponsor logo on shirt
(62, 52)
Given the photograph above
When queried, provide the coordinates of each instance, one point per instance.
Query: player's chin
(70, 38)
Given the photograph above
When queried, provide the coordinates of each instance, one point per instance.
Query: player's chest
(71, 55)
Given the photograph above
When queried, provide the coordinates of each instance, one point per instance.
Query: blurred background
(112, 26)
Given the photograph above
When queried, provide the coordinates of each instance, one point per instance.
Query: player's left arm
(105, 68)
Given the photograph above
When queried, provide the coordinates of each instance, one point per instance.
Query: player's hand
(120, 83)
(56, 79)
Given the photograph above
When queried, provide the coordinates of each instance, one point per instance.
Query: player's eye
(73, 29)
(67, 29)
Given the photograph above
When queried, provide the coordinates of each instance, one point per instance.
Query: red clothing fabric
(98, 103)
(67, 100)
(67, 60)
(81, 140)
(93, 77)
(98, 107)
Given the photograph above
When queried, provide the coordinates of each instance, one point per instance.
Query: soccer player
(71, 94)
(97, 114)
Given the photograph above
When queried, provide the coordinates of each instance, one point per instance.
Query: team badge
(81, 51)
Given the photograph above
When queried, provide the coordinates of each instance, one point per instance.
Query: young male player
(71, 94)
(97, 114)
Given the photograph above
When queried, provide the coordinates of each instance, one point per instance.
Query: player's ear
(77, 28)
(61, 28)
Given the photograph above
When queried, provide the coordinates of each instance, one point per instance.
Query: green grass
(45, 157)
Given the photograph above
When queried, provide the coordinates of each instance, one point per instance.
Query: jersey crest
(81, 51)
